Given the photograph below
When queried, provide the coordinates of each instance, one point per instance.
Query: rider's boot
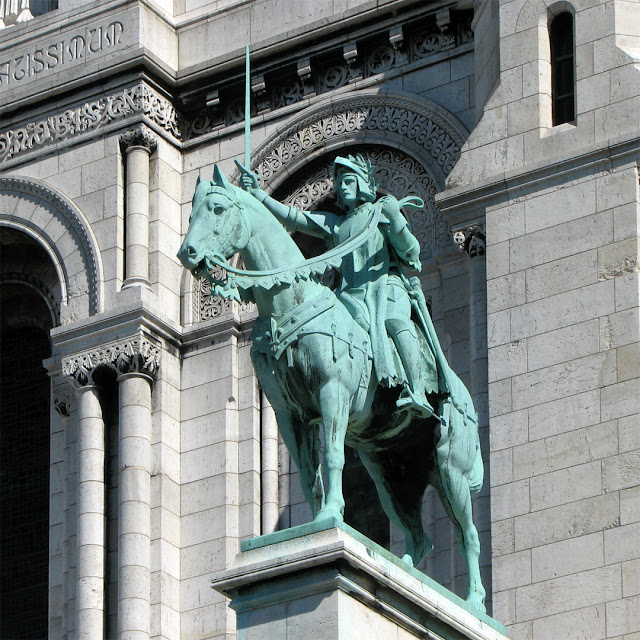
(412, 397)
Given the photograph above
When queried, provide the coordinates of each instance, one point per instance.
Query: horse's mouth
(201, 268)
(206, 266)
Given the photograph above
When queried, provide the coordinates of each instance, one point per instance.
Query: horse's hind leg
(403, 509)
(334, 408)
(453, 489)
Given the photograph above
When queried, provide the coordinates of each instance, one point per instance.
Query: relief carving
(89, 116)
(136, 354)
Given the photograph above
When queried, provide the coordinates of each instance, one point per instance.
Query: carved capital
(133, 355)
(471, 240)
(141, 136)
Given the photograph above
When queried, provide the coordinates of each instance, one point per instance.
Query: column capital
(140, 136)
(472, 240)
(137, 354)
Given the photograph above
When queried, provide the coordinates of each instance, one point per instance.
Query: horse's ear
(220, 180)
(198, 181)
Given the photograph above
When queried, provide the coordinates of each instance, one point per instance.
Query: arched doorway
(29, 308)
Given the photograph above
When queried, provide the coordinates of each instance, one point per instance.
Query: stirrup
(409, 401)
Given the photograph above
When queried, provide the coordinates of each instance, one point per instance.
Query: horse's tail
(476, 477)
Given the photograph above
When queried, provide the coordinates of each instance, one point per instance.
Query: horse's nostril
(191, 251)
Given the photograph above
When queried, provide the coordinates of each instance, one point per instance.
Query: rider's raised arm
(318, 224)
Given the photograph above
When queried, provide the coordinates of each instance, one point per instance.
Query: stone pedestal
(328, 582)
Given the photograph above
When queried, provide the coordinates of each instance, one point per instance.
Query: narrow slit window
(562, 69)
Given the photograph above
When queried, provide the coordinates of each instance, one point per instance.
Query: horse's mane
(205, 188)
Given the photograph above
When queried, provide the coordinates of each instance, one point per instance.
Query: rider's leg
(405, 337)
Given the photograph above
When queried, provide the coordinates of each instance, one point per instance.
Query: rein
(268, 278)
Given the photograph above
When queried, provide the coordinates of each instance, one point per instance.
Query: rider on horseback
(373, 287)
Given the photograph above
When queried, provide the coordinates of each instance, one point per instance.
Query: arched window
(562, 69)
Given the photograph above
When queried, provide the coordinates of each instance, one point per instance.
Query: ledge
(320, 559)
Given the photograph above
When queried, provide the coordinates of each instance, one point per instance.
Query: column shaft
(269, 457)
(137, 216)
(90, 596)
(134, 550)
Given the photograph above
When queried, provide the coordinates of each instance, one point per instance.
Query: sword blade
(247, 113)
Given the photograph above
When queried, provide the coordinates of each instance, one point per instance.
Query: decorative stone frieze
(74, 121)
(472, 240)
(133, 355)
(140, 136)
(434, 133)
(376, 54)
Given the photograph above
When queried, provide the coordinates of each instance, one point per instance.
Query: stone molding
(132, 355)
(380, 51)
(420, 127)
(61, 209)
(140, 136)
(472, 240)
(138, 100)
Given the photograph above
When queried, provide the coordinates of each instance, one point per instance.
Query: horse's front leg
(334, 408)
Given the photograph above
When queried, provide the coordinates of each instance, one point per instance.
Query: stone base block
(326, 581)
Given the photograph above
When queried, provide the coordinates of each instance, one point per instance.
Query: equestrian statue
(362, 362)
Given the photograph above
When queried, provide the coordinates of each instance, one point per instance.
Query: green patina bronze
(363, 363)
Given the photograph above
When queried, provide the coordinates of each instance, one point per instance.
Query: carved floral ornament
(91, 116)
(472, 240)
(434, 135)
(140, 136)
(134, 355)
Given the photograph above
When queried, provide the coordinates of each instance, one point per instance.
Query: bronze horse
(313, 361)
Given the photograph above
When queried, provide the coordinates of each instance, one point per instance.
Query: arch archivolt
(413, 143)
(46, 215)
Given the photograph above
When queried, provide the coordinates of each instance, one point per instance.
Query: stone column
(134, 535)
(269, 458)
(137, 144)
(136, 360)
(90, 588)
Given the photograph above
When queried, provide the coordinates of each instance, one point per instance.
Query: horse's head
(217, 225)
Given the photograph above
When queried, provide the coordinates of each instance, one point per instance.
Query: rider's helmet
(363, 170)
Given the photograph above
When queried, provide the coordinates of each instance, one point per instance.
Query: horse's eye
(218, 210)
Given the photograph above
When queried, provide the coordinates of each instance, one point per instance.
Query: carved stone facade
(161, 443)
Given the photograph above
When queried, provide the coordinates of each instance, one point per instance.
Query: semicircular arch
(417, 126)
(45, 214)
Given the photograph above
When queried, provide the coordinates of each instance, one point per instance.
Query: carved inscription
(66, 51)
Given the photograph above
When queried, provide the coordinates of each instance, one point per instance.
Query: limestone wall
(562, 222)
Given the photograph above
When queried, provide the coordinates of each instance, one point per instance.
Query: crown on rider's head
(363, 169)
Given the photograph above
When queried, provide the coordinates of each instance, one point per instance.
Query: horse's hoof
(329, 514)
(477, 602)
(408, 560)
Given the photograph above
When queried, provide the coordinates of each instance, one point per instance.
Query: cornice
(464, 206)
